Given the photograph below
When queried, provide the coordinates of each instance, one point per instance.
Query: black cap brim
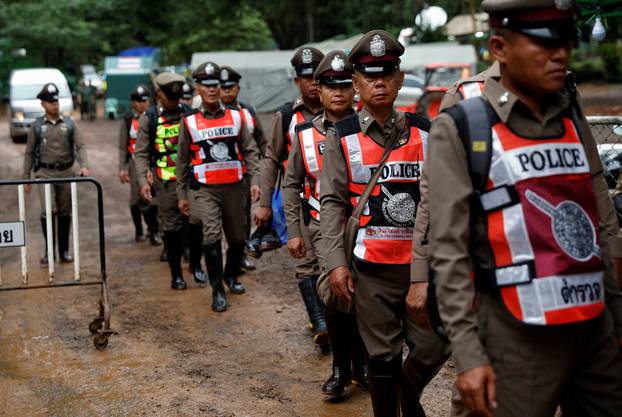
(228, 84)
(305, 70)
(49, 99)
(554, 33)
(377, 68)
(209, 82)
(336, 81)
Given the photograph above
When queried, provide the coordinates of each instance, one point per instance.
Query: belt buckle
(58, 166)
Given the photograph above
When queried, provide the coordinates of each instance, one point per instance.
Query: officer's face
(210, 94)
(309, 88)
(378, 91)
(229, 95)
(337, 99)
(140, 106)
(52, 108)
(530, 65)
(166, 102)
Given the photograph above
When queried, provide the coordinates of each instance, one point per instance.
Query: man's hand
(124, 176)
(184, 207)
(27, 188)
(255, 193)
(85, 172)
(341, 283)
(150, 178)
(477, 388)
(297, 247)
(263, 216)
(416, 300)
(145, 193)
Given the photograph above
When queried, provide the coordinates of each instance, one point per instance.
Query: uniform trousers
(171, 218)
(61, 193)
(310, 265)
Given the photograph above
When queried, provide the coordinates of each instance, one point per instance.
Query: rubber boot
(139, 235)
(232, 269)
(185, 239)
(340, 331)
(315, 309)
(44, 258)
(163, 253)
(415, 377)
(360, 370)
(196, 253)
(173, 254)
(213, 260)
(385, 386)
(151, 218)
(64, 226)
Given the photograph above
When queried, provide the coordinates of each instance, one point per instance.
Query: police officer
(54, 143)
(128, 134)
(379, 279)
(507, 204)
(215, 151)
(229, 91)
(334, 74)
(158, 136)
(187, 94)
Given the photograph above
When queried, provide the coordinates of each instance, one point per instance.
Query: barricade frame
(100, 326)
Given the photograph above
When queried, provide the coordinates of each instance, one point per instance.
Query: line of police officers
(499, 212)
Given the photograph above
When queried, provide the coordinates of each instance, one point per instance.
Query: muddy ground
(171, 355)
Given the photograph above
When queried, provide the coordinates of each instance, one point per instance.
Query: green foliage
(611, 53)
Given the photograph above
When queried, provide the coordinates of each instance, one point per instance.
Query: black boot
(173, 254)
(232, 269)
(196, 253)
(213, 260)
(385, 386)
(340, 332)
(360, 370)
(44, 258)
(163, 253)
(315, 309)
(151, 218)
(253, 244)
(64, 226)
(247, 264)
(415, 377)
(185, 239)
(139, 235)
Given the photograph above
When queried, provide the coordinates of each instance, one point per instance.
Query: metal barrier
(12, 234)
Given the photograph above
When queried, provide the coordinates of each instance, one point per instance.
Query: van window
(30, 91)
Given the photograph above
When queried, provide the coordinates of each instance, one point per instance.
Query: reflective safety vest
(542, 219)
(386, 225)
(166, 139)
(249, 118)
(132, 137)
(296, 119)
(215, 147)
(471, 89)
(312, 143)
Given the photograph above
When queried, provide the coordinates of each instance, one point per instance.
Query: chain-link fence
(607, 131)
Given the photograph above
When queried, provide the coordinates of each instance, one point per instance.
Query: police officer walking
(334, 74)
(215, 151)
(54, 143)
(187, 94)
(516, 197)
(128, 134)
(381, 247)
(158, 135)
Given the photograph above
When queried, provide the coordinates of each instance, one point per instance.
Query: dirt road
(172, 355)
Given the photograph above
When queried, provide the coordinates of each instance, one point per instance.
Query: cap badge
(209, 69)
(140, 91)
(185, 88)
(51, 89)
(307, 56)
(564, 4)
(224, 75)
(377, 46)
(338, 63)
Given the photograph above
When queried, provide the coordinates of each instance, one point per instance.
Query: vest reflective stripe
(297, 118)
(311, 145)
(544, 233)
(387, 221)
(471, 89)
(251, 123)
(167, 137)
(216, 155)
(132, 137)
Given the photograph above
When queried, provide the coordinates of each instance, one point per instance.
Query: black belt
(58, 166)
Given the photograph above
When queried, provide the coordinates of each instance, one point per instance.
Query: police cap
(49, 93)
(334, 69)
(547, 19)
(187, 91)
(377, 52)
(229, 77)
(306, 60)
(170, 84)
(208, 74)
(140, 93)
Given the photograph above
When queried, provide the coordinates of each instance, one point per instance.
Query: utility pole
(310, 22)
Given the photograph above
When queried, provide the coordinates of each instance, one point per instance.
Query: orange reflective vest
(132, 137)
(386, 226)
(312, 149)
(248, 118)
(297, 118)
(215, 147)
(542, 222)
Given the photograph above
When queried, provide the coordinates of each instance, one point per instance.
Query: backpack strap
(418, 121)
(250, 108)
(287, 113)
(348, 126)
(38, 138)
(70, 134)
(303, 126)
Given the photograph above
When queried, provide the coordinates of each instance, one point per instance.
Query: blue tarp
(140, 51)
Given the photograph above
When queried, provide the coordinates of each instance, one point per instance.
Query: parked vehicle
(411, 91)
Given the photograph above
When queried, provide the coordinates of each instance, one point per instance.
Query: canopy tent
(462, 25)
(268, 78)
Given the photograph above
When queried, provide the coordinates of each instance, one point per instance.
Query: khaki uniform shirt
(457, 240)
(54, 147)
(334, 193)
(124, 141)
(248, 149)
(277, 147)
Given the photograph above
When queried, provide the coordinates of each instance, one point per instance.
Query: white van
(24, 86)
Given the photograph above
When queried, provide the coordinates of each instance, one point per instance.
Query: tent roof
(462, 25)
